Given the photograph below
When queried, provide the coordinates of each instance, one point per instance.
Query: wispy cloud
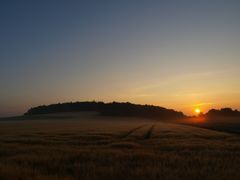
(202, 104)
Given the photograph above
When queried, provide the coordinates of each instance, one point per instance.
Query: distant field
(88, 146)
(224, 124)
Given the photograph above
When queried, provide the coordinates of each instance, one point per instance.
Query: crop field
(88, 146)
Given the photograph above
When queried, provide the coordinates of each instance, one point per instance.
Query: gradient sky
(178, 54)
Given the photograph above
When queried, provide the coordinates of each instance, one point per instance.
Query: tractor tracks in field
(128, 133)
(146, 135)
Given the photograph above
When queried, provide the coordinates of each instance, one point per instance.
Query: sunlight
(197, 110)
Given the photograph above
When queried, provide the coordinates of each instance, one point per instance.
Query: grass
(87, 146)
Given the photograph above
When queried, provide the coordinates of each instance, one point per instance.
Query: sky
(176, 54)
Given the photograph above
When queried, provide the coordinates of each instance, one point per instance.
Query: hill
(109, 109)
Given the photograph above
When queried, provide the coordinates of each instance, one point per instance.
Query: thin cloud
(202, 104)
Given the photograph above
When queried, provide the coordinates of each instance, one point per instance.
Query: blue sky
(177, 54)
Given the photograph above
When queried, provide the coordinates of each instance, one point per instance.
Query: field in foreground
(87, 146)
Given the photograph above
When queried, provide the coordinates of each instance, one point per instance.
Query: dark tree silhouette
(224, 112)
(111, 109)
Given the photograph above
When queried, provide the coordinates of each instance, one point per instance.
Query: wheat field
(88, 146)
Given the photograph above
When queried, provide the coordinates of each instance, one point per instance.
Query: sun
(197, 110)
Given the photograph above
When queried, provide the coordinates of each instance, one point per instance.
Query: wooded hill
(111, 109)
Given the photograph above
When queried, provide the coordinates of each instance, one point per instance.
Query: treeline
(224, 112)
(113, 109)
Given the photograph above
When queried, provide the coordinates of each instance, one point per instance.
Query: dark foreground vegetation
(112, 109)
(92, 147)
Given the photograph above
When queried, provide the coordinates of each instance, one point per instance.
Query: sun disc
(197, 110)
